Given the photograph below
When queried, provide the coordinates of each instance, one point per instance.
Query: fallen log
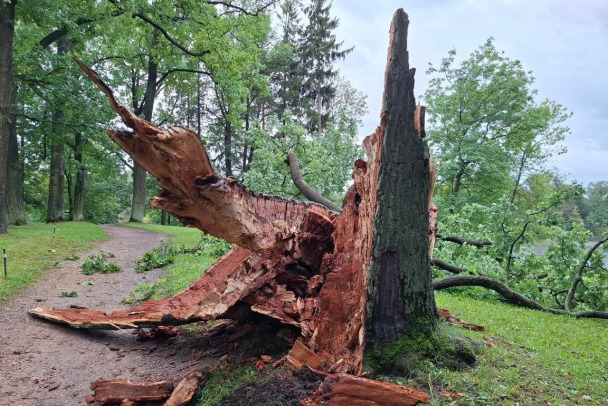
(119, 390)
(510, 295)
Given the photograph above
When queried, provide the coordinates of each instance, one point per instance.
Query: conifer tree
(318, 50)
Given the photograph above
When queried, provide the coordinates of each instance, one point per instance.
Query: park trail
(45, 364)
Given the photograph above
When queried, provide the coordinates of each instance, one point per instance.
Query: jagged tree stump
(298, 262)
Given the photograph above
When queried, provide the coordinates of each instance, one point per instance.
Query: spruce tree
(318, 50)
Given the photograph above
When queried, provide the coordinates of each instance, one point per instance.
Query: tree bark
(55, 210)
(14, 183)
(138, 204)
(399, 277)
(7, 29)
(78, 199)
(304, 188)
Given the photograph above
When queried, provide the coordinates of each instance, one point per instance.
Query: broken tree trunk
(298, 262)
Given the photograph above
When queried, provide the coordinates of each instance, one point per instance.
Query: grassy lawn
(535, 358)
(187, 267)
(32, 250)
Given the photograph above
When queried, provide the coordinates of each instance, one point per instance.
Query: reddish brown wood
(183, 393)
(349, 390)
(118, 390)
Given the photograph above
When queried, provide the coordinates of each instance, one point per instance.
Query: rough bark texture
(7, 28)
(55, 209)
(14, 175)
(296, 262)
(78, 199)
(138, 204)
(399, 277)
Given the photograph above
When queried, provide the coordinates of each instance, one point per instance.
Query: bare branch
(169, 37)
(255, 13)
(465, 241)
(304, 188)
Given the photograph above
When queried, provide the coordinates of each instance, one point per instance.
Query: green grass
(185, 269)
(538, 358)
(31, 250)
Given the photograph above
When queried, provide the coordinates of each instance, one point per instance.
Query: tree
(317, 51)
(293, 260)
(7, 28)
(595, 207)
(476, 111)
(55, 211)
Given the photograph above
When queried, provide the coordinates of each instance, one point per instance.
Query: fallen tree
(341, 279)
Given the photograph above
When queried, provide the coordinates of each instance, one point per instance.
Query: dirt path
(51, 365)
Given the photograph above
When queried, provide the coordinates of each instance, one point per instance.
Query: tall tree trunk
(78, 201)
(55, 210)
(14, 184)
(7, 29)
(400, 293)
(138, 206)
(228, 148)
(138, 203)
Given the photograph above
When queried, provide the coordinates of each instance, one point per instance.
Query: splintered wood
(118, 390)
(295, 262)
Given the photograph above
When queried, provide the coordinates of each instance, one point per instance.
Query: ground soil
(48, 364)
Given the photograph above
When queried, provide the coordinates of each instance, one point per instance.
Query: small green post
(4, 254)
(54, 230)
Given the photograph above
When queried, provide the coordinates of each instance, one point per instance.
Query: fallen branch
(465, 241)
(305, 189)
(510, 295)
(578, 277)
(447, 267)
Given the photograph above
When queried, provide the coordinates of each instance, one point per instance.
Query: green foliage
(157, 258)
(484, 123)
(225, 380)
(595, 207)
(31, 249)
(325, 162)
(98, 263)
(69, 294)
(492, 142)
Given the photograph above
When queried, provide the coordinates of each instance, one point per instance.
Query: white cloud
(564, 43)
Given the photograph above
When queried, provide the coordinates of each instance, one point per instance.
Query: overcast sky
(563, 42)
